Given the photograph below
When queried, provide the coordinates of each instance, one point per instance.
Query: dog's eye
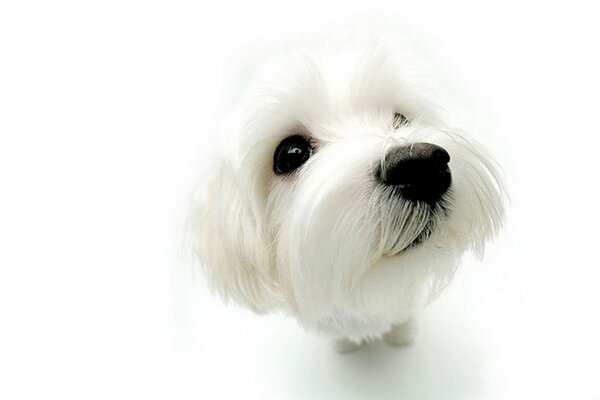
(399, 120)
(291, 153)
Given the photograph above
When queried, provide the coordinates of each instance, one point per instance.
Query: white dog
(340, 195)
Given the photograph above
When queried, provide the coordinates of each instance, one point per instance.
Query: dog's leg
(346, 345)
(401, 334)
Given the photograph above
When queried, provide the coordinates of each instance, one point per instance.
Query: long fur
(328, 244)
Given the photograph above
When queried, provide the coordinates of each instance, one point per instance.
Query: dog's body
(341, 195)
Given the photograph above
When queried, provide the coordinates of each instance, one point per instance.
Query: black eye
(399, 120)
(291, 153)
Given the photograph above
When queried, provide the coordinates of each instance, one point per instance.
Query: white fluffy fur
(327, 244)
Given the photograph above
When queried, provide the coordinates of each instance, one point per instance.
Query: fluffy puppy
(340, 194)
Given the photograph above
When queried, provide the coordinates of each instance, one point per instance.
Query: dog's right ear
(227, 237)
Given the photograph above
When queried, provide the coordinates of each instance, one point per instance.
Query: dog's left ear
(228, 238)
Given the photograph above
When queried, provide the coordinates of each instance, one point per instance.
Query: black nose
(419, 170)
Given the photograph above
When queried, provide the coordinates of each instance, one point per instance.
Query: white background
(103, 110)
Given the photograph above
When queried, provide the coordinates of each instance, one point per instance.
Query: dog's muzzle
(419, 171)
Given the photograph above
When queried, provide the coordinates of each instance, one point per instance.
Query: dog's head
(340, 188)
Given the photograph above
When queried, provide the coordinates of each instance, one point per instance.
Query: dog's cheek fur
(227, 237)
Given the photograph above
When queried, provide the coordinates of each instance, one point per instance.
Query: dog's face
(340, 191)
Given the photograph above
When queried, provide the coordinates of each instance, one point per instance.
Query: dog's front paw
(346, 345)
(401, 334)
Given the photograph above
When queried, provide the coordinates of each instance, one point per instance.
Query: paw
(346, 345)
(401, 334)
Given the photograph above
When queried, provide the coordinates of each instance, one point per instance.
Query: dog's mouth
(420, 238)
(423, 236)
(417, 227)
